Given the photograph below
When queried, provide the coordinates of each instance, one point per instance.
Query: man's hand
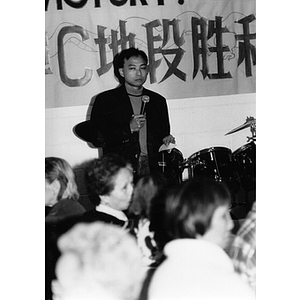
(137, 122)
(169, 139)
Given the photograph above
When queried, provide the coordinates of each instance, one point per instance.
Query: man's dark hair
(119, 60)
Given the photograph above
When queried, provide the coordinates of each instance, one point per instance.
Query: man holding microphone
(131, 120)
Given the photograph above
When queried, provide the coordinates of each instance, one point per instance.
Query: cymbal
(250, 122)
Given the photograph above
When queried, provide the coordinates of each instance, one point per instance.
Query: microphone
(145, 100)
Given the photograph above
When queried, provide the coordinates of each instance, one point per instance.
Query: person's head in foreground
(198, 225)
(98, 261)
(200, 209)
(111, 179)
(145, 190)
(59, 181)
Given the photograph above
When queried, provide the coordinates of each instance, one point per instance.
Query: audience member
(198, 224)
(62, 209)
(98, 261)
(110, 179)
(243, 249)
(61, 193)
(145, 190)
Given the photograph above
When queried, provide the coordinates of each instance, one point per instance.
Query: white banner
(195, 48)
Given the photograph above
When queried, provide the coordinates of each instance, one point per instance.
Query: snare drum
(215, 162)
(170, 163)
(245, 161)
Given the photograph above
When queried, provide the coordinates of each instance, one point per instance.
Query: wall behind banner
(196, 123)
(202, 59)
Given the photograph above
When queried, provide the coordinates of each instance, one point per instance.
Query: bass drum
(245, 161)
(217, 163)
(170, 164)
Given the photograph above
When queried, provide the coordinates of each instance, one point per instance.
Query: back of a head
(119, 60)
(101, 257)
(189, 209)
(145, 190)
(100, 173)
(58, 168)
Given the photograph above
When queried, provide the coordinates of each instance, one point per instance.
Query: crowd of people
(148, 236)
(149, 239)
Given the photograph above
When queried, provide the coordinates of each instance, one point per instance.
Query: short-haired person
(117, 124)
(197, 225)
(110, 180)
(98, 262)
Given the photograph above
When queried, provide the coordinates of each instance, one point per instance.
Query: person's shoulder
(89, 213)
(153, 94)
(68, 205)
(108, 97)
(94, 215)
(112, 91)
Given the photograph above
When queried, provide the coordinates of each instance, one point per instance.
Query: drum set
(237, 169)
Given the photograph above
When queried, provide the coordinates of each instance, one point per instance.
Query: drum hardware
(171, 164)
(162, 163)
(250, 122)
(216, 170)
(245, 164)
(190, 165)
(245, 156)
(214, 162)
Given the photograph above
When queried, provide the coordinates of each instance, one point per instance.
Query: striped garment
(243, 249)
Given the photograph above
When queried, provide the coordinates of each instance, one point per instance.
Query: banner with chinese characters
(196, 48)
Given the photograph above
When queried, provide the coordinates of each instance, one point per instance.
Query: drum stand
(250, 201)
(162, 163)
(247, 204)
(252, 129)
(171, 166)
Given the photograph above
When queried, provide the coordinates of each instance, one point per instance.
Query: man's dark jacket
(110, 129)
